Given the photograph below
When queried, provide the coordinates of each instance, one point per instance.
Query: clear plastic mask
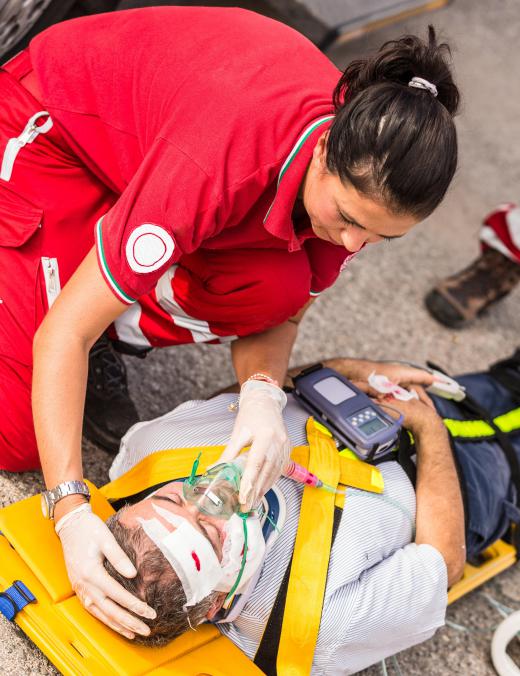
(215, 492)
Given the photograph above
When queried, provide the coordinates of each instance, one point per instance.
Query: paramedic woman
(225, 186)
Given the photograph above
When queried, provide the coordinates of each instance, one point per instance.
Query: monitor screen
(372, 426)
(334, 390)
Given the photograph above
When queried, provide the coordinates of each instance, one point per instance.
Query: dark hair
(396, 143)
(157, 584)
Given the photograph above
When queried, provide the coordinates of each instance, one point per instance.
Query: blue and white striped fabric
(383, 594)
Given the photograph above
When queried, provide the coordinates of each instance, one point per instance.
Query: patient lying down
(391, 562)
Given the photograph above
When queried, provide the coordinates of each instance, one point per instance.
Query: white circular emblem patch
(148, 248)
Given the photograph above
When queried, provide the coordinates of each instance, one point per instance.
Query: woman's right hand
(259, 423)
(86, 542)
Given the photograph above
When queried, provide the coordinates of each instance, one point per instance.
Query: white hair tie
(421, 83)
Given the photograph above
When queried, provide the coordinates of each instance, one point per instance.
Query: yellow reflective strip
(468, 429)
(508, 422)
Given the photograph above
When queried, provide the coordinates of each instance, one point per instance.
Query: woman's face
(342, 215)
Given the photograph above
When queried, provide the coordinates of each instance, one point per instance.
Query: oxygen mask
(215, 492)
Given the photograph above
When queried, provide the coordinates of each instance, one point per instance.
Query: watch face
(45, 506)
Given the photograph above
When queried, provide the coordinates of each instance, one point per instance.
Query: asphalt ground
(376, 308)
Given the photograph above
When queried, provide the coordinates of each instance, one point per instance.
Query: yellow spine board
(496, 559)
(75, 642)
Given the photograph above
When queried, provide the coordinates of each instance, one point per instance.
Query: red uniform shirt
(202, 121)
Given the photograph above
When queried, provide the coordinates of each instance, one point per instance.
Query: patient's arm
(439, 511)
(360, 369)
(440, 514)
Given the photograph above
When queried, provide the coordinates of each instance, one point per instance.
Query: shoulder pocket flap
(19, 219)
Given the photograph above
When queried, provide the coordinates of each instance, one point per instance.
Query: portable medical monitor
(351, 416)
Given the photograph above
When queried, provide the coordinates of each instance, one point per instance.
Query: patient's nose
(192, 510)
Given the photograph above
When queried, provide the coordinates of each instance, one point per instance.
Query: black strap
(405, 451)
(119, 503)
(267, 653)
(514, 537)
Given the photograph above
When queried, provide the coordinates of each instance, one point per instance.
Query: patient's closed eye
(175, 499)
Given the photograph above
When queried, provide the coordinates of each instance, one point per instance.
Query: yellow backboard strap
(171, 464)
(308, 578)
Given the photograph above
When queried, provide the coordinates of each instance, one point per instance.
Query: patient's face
(170, 497)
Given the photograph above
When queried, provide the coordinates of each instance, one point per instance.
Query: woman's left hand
(259, 423)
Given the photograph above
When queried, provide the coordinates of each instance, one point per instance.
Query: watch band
(51, 497)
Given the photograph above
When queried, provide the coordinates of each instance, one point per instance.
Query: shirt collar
(278, 218)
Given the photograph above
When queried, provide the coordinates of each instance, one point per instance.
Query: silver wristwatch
(50, 498)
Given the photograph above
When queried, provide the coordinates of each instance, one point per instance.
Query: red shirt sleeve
(167, 209)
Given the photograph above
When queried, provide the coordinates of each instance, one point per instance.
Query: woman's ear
(319, 154)
(216, 605)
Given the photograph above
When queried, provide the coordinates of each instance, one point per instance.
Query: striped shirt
(383, 594)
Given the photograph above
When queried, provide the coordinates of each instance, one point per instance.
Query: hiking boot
(460, 299)
(109, 411)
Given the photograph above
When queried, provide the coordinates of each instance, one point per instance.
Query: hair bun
(399, 61)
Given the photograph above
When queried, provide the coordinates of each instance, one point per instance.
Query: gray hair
(157, 584)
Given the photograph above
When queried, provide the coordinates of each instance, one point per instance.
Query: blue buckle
(14, 599)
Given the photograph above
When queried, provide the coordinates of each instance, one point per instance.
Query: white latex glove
(86, 542)
(259, 423)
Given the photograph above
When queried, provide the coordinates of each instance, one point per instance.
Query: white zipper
(14, 145)
(51, 274)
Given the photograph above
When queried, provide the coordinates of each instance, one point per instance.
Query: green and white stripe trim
(314, 293)
(124, 297)
(296, 149)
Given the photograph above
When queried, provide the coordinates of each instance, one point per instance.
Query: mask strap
(194, 469)
(272, 523)
(243, 516)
